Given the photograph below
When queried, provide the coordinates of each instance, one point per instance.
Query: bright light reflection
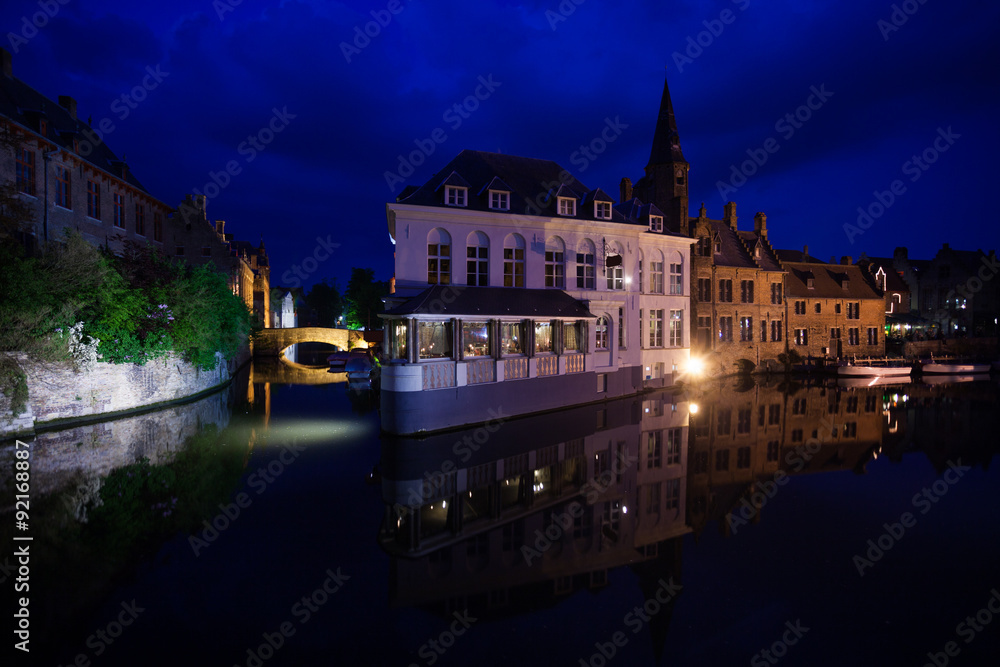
(693, 409)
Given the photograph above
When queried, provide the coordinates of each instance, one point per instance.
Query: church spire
(666, 140)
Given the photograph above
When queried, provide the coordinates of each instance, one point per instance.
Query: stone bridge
(272, 342)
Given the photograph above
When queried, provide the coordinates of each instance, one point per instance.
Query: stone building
(957, 291)
(832, 310)
(899, 321)
(67, 177)
(737, 280)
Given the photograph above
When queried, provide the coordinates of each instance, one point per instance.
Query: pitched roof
(733, 252)
(666, 140)
(796, 256)
(828, 281)
(893, 281)
(457, 300)
(767, 260)
(27, 107)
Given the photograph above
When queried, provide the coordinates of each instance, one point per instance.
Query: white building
(510, 269)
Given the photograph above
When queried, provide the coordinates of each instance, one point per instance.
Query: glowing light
(444, 504)
(695, 366)
(624, 509)
(693, 409)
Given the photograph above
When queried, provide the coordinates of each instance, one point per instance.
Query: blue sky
(896, 78)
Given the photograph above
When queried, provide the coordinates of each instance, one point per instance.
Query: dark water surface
(635, 532)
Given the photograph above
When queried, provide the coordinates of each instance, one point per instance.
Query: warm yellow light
(693, 409)
(695, 366)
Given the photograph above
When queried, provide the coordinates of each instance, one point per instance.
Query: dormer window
(811, 283)
(455, 196)
(846, 284)
(567, 206)
(718, 244)
(656, 223)
(499, 200)
(602, 210)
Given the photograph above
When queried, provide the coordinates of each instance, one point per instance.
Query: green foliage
(325, 300)
(789, 359)
(208, 317)
(364, 299)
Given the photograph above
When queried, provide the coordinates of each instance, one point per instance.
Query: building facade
(67, 178)
(521, 272)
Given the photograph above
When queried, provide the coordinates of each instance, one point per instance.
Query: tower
(666, 180)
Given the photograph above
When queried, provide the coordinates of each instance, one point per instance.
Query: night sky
(349, 105)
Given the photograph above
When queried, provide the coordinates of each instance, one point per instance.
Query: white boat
(873, 367)
(857, 381)
(953, 368)
(359, 368)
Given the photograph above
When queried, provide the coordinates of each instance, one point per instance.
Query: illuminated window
(434, 340)
(555, 267)
(656, 327)
(513, 261)
(601, 334)
(439, 257)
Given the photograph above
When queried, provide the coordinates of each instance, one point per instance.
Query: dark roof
(733, 252)
(27, 107)
(796, 256)
(666, 140)
(829, 280)
(456, 300)
(767, 260)
(893, 281)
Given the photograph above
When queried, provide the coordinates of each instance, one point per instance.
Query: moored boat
(874, 367)
(953, 367)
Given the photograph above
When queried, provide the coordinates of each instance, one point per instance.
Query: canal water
(734, 522)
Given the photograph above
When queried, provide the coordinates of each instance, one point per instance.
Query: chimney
(945, 246)
(702, 212)
(729, 216)
(625, 190)
(220, 228)
(8, 65)
(833, 259)
(69, 104)
(900, 253)
(846, 260)
(200, 202)
(805, 252)
(760, 225)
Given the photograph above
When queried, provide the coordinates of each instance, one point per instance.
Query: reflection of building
(532, 516)
(742, 434)
(515, 270)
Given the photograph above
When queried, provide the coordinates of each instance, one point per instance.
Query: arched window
(585, 265)
(513, 261)
(477, 259)
(615, 274)
(656, 272)
(677, 274)
(601, 333)
(438, 257)
(555, 265)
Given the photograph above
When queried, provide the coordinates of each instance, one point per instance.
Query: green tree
(363, 297)
(325, 300)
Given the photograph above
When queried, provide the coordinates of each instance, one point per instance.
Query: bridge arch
(272, 342)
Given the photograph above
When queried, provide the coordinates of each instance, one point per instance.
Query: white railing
(439, 375)
(515, 369)
(548, 365)
(480, 371)
(574, 363)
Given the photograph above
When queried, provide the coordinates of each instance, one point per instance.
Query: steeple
(666, 139)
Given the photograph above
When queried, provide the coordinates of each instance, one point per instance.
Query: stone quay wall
(58, 393)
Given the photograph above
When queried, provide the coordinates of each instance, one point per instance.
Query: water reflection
(477, 519)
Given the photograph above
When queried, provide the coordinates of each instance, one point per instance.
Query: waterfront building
(519, 287)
